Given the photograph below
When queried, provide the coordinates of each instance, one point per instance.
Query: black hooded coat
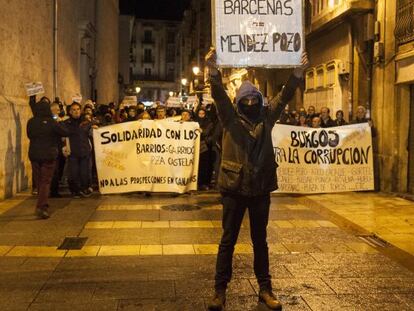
(44, 133)
(248, 164)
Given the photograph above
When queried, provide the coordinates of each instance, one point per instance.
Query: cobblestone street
(149, 254)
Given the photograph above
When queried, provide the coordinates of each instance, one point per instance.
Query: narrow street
(158, 253)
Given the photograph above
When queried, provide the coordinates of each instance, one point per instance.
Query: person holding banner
(79, 160)
(247, 174)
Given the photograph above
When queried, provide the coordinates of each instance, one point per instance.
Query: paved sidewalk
(391, 218)
(151, 254)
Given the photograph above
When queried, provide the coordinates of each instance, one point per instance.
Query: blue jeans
(234, 207)
(79, 173)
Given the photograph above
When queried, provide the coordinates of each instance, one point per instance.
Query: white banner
(34, 88)
(77, 98)
(324, 160)
(130, 101)
(150, 156)
(173, 102)
(192, 100)
(258, 33)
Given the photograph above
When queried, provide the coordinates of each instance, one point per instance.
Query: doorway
(411, 144)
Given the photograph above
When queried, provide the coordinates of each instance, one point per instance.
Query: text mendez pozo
(260, 42)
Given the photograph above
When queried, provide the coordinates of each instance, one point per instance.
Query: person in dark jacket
(61, 159)
(326, 120)
(247, 174)
(79, 160)
(206, 162)
(44, 134)
(311, 113)
(302, 120)
(361, 117)
(340, 121)
(132, 114)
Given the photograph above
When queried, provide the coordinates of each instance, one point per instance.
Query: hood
(42, 109)
(247, 89)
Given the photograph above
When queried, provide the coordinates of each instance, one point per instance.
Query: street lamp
(183, 85)
(196, 70)
(137, 89)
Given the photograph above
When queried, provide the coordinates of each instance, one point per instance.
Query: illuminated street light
(171, 94)
(137, 89)
(196, 70)
(184, 81)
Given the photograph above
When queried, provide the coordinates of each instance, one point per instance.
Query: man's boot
(42, 213)
(267, 297)
(218, 301)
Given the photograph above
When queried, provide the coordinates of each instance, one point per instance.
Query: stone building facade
(393, 94)
(155, 58)
(87, 64)
(195, 42)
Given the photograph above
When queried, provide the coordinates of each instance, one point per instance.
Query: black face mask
(251, 112)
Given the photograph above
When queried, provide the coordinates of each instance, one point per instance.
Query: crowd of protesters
(322, 119)
(61, 146)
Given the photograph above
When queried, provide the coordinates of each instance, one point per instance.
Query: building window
(404, 28)
(330, 74)
(148, 35)
(170, 55)
(147, 72)
(170, 37)
(319, 6)
(310, 80)
(147, 55)
(171, 74)
(320, 77)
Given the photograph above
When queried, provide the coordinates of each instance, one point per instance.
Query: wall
(125, 28)
(25, 56)
(107, 24)
(386, 105)
(26, 34)
(339, 41)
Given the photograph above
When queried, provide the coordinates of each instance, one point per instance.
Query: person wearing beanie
(247, 174)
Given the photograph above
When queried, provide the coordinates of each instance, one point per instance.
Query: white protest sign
(150, 156)
(130, 101)
(327, 160)
(258, 33)
(174, 102)
(77, 98)
(34, 88)
(192, 100)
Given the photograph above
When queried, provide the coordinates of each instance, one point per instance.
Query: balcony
(152, 78)
(404, 28)
(325, 13)
(148, 60)
(148, 41)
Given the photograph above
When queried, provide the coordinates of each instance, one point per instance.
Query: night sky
(154, 9)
